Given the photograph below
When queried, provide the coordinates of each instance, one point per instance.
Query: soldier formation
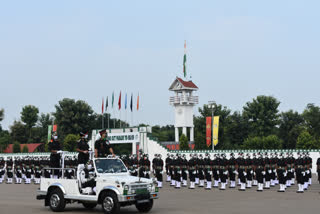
(261, 170)
(29, 169)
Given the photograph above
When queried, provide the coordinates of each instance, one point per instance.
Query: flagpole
(114, 119)
(108, 119)
(102, 119)
(120, 117)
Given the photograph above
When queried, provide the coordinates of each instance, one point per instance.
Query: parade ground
(21, 198)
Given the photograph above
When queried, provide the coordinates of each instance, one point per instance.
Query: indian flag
(185, 60)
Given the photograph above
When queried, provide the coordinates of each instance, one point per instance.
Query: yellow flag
(215, 130)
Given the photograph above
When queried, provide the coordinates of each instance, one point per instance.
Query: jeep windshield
(110, 166)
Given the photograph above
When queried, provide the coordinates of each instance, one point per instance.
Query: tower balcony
(191, 100)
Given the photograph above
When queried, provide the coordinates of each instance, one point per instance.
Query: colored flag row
(215, 130)
(119, 102)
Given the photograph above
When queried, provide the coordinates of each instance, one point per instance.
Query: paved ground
(20, 198)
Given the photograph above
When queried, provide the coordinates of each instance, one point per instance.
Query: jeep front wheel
(56, 201)
(145, 207)
(110, 203)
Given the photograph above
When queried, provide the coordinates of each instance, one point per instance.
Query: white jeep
(115, 188)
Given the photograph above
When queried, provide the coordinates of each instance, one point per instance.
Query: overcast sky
(84, 50)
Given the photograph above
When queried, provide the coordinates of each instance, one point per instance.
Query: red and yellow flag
(208, 130)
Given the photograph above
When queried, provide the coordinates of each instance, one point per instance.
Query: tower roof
(180, 84)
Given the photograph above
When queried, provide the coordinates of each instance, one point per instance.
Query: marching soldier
(9, 170)
(184, 168)
(178, 171)
(299, 165)
(260, 172)
(254, 167)
(133, 165)
(172, 170)
(215, 171)
(168, 160)
(54, 148)
(223, 172)
(273, 162)
(242, 172)
(249, 163)
(208, 171)
(2, 169)
(144, 164)
(232, 170)
(158, 166)
(37, 171)
(201, 165)
(268, 171)
(282, 173)
(192, 171)
(103, 146)
(18, 171)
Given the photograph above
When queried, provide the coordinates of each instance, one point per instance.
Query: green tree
(5, 140)
(272, 142)
(312, 117)
(70, 142)
(184, 145)
(257, 142)
(307, 141)
(291, 125)
(262, 115)
(29, 116)
(73, 116)
(25, 149)
(19, 132)
(164, 133)
(42, 126)
(236, 131)
(200, 125)
(16, 147)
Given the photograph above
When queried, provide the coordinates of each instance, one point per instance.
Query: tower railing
(184, 99)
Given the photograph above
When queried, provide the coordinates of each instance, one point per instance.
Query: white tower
(183, 103)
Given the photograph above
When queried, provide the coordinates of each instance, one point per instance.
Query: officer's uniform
(168, 160)
(103, 147)
(192, 171)
(232, 171)
(2, 169)
(9, 170)
(54, 157)
(158, 166)
(208, 171)
(83, 158)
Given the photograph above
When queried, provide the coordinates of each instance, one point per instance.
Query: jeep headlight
(151, 188)
(125, 190)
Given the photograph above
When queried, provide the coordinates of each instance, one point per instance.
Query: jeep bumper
(41, 195)
(143, 198)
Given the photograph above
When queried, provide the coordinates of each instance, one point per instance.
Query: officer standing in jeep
(102, 147)
(83, 149)
(54, 147)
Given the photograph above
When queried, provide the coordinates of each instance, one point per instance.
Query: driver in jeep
(87, 179)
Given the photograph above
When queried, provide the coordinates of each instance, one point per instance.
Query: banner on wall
(130, 137)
